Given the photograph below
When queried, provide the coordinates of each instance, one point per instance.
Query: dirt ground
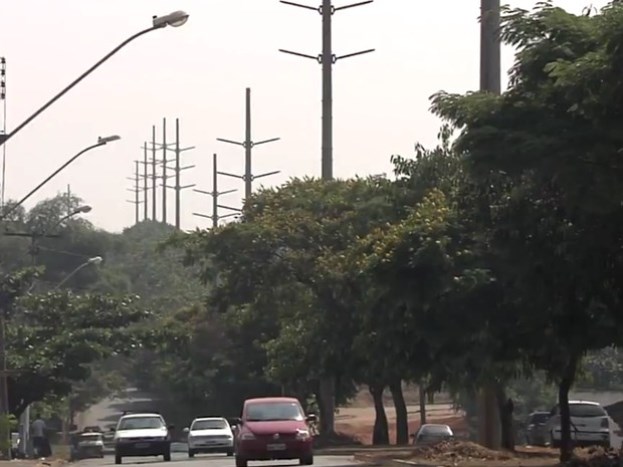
(357, 420)
(467, 454)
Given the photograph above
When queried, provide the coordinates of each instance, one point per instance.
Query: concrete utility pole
(490, 81)
(248, 145)
(136, 190)
(327, 59)
(177, 170)
(215, 196)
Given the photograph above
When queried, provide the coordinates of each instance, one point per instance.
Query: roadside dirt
(467, 454)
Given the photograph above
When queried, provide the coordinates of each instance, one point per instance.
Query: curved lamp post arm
(101, 142)
(94, 260)
(71, 274)
(5, 138)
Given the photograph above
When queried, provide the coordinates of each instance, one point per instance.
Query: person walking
(39, 439)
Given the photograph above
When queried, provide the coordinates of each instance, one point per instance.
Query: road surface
(217, 460)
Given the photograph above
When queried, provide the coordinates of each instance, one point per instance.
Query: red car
(273, 428)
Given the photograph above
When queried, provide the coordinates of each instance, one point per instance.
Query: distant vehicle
(590, 424)
(210, 434)
(273, 428)
(432, 434)
(536, 432)
(142, 434)
(87, 445)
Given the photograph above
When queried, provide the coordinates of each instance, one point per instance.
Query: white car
(590, 424)
(142, 434)
(210, 434)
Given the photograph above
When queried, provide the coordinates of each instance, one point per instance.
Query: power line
(215, 196)
(327, 59)
(248, 145)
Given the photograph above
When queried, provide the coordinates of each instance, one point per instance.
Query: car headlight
(302, 435)
(248, 435)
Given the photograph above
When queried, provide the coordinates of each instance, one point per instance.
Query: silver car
(432, 434)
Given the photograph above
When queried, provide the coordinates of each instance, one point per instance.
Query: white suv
(590, 424)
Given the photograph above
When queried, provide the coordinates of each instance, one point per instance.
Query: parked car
(87, 445)
(210, 434)
(273, 428)
(142, 434)
(432, 434)
(536, 431)
(590, 424)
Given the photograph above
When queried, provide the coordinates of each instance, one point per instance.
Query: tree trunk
(422, 397)
(326, 402)
(402, 422)
(566, 445)
(505, 406)
(380, 433)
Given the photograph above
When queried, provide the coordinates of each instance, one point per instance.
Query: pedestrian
(39, 439)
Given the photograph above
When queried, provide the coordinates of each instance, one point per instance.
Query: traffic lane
(216, 460)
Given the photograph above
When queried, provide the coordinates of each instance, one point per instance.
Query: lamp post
(100, 142)
(95, 260)
(175, 19)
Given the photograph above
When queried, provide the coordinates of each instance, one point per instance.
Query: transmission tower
(327, 59)
(248, 145)
(215, 217)
(136, 189)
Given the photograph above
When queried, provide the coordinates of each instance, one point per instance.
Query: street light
(95, 261)
(100, 142)
(174, 19)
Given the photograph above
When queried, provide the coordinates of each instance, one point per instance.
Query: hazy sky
(199, 73)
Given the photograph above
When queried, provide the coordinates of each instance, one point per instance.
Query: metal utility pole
(145, 178)
(490, 47)
(490, 81)
(164, 170)
(248, 145)
(136, 190)
(177, 171)
(3, 126)
(327, 59)
(215, 196)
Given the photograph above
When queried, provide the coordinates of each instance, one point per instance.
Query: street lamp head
(83, 209)
(95, 260)
(108, 139)
(175, 19)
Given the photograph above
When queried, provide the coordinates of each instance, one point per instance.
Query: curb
(371, 460)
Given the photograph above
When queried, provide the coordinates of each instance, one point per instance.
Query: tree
(268, 266)
(54, 337)
(554, 135)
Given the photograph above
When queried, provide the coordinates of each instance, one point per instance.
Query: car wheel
(167, 455)
(240, 462)
(307, 460)
(117, 459)
(191, 453)
(230, 453)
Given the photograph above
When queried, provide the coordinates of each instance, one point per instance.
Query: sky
(198, 73)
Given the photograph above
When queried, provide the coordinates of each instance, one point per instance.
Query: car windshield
(274, 411)
(209, 425)
(435, 430)
(539, 417)
(91, 437)
(140, 423)
(586, 410)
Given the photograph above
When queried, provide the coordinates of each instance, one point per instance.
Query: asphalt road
(216, 460)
